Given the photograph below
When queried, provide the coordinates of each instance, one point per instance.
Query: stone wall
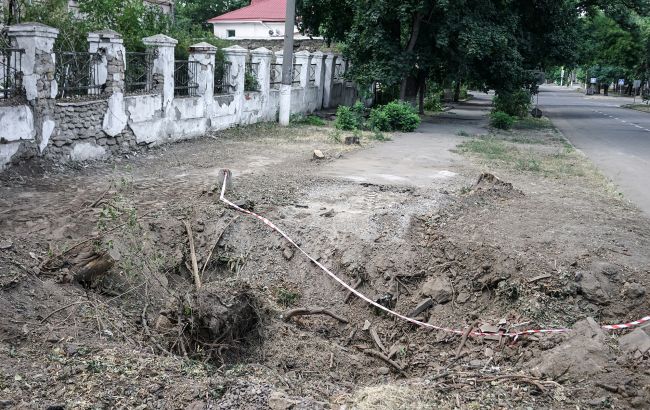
(113, 123)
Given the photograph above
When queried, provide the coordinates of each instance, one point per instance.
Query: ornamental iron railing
(77, 74)
(312, 74)
(251, 82)
(185, 73)
(222, 78)
(11, 72)
(138, 76)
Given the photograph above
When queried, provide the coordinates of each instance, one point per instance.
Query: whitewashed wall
(115, 123)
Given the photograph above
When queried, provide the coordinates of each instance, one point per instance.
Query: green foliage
(133, 19)
(515, 103)
(360, 112)
(299, 119)
(433, 102)
(250, 82)
(394, 116)
(346, 119)
(501, 120)
(379, 120)
(336, 136)
(286, 297)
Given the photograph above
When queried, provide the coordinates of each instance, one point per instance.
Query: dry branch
(464, 338)
(380, 355)
(195, 265)
(356, 284)
(312, 311)
(376, 339)
(217, 243)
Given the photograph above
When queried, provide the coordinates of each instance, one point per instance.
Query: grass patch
(488, 147)
(530, 123)
(638, 107)
(549, 158)
(299, 119)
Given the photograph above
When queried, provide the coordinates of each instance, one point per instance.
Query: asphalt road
(616, 139)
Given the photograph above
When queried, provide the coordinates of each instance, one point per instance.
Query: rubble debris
(318, 155)
(439, 289)
(633, 290)
(636, 341)
(583, 353)
(421, 307)
(595, 287)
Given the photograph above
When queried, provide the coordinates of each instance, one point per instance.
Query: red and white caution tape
(227, 174)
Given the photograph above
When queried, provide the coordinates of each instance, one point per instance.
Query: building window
(230, 33)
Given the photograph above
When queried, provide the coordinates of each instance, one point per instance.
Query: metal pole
(287, 64)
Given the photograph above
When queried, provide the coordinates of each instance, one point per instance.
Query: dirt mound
(490, 184)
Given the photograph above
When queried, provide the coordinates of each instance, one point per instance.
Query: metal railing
(222, 78)
(338, 72)
(312, 74)
(295, 73)
(185, 73)
(138, 76)
(11, 72)
(77, 74)
(250, 81)
(276, 75)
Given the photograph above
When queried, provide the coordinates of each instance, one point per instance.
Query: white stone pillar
(237, 57)
(302, 58)
(163, 66)
(262, 57)
(318, 58)
(109, 72)
(38, 68)
(328, 78)
(111, 67)
(38, 61)
(204, 55)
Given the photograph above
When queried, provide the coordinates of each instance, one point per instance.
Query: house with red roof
(262, 19)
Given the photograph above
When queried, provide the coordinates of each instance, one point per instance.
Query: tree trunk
(415, 32)
(422, 87)
(457, 91)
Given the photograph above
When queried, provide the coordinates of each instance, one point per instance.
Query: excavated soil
(102, 307)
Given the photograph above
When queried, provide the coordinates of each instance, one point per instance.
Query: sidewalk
(421, 157)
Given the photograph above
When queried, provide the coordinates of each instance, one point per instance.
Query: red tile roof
(259, 10)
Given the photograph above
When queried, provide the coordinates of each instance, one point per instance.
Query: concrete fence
(43, 120)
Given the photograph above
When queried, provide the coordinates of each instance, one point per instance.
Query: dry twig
(205, 264)
(464, 338)
(195, 265)
(380, 355)
(312, 311)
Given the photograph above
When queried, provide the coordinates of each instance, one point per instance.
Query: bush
(379, 120)
(433, 102)
(360, 112)
(395, 116)
(501, 120)
(346, 119)
(516, 104)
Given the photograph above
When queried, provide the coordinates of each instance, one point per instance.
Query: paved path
(616, 139)
(418, 158)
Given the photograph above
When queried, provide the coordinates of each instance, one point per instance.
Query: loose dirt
(540, 240)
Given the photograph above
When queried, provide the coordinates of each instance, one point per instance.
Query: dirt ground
(101, 308)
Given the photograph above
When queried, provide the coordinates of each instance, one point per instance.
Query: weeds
(559, 159)
(286, 298)
(299, 119)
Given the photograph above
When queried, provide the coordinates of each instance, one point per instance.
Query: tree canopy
(496, 44)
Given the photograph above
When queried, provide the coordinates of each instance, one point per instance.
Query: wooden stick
(380, 355)
(98, 200)
(217, 243)
(195, 265)
(358, 283)
(312, 311)
(464, 338)
(63, 308)
(376, 339)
